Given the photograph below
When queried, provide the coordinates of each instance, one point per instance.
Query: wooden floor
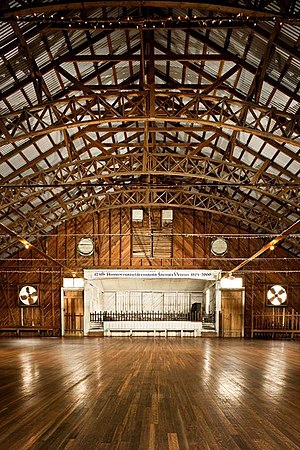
(144, 393)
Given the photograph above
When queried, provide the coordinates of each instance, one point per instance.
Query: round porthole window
(219, 247)
(86, 247)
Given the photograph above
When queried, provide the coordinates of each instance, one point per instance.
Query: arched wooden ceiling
(156, 103)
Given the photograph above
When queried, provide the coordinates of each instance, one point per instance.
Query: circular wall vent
(85, 247)
(277, 295)
(28, 295)
(219, 247)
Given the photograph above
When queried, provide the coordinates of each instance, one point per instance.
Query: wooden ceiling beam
(158, 86)
(36, 76)
(79, 84)
(154, 57)
(263, 122)
(245, 64)
(36, 249)
(288, 46)
(65, 5)
(57, 147)
(259, 77)
(219, 202)
(219, 81)
(198, 126)
(280, 237)
(53, 64)
(191, 167)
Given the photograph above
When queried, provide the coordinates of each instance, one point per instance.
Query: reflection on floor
(145, 393)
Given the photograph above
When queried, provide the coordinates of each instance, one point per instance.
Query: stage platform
(152, 328)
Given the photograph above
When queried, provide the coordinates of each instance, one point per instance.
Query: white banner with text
(151, 273)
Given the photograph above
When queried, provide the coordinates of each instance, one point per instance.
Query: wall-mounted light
(231, 282)
(25, 243)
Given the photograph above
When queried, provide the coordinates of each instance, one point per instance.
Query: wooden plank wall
(112, 233)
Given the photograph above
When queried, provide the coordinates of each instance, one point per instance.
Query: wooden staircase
(209, 330)
(96, 329)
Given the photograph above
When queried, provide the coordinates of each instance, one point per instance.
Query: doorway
(232, 313)
(73, 312)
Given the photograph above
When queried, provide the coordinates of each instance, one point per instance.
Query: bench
(41, 331)
(275, 331)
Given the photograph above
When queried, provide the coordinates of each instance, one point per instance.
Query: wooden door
(73, 313)
(232, 314)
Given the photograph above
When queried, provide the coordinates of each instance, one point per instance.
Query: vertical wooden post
(252, 304)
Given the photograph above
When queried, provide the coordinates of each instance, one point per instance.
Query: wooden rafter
(222, 113)
(65, 5)
(148, 127)
(219, 203)
(189, 167)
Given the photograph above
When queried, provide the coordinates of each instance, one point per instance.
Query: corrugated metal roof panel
(17, 101)
(30, 153)
(5, 170)
(245, 81)
(17, 161)
(290, 33)
(294, 167)
(6, 149)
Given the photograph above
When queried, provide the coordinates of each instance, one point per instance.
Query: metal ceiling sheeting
(168, 55)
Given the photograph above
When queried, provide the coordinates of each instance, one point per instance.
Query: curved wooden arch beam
(156, 198)
(115, 169)
(197, 111)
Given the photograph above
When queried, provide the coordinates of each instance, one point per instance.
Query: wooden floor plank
(149, 394)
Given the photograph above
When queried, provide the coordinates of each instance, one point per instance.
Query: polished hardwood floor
(146, 394)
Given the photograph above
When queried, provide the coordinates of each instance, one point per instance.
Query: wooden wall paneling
(98, 239)
(82, 228)
(207, 229)
(60, 249)
(71, 249)
(117, 252)
(104, 248)
(178, 240)
(125, 238)
(110, 230)
(7, 313)
(52, 243)
(73, 311)
(199, 243)
(14, 315)
(54, 312)
(249, 308)
(115, 239)
(188, 229)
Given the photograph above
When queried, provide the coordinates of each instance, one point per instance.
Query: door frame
(242, 290)
(62, 306)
